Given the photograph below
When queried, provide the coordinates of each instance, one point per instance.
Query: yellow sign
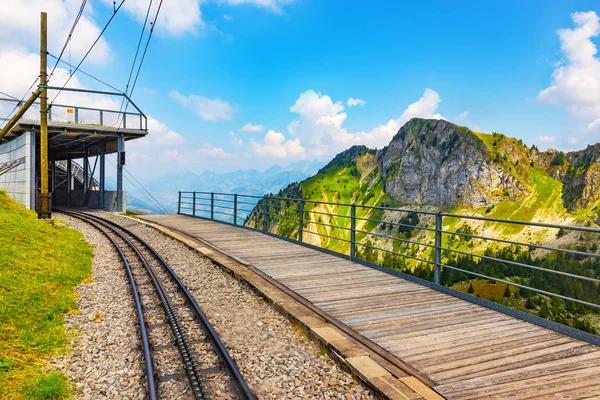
(70, 111)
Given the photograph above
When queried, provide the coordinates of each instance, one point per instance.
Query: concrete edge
(394, 384)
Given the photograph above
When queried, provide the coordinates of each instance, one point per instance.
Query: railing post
(76, 114)
(124, 120)
(212, 205)
(300, 219)
(194, 204)
(235, 209)
(102, 120)
(179, 204)
(438, 248)
(265, 210)
(352, 230)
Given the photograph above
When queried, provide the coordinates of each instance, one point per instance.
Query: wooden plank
(518, 361)
(529, 377)
(471, 351)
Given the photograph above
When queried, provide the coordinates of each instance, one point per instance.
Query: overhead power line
(141, 188)
(116, 10)
(145, 50)
(21, 101)
(69, 37)
(86, 74)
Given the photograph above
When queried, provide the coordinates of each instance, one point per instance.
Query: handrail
(270, 213)
(140, 113)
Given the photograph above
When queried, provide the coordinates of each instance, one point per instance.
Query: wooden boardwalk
(468, 351)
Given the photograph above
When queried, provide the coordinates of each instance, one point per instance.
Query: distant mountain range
(252, 181)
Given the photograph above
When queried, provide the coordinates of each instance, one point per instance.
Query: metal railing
(420, 237)
(89, 115)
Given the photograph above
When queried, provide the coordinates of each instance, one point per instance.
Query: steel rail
(152, 390)
(239, 381)
(395, 253)
(537, 246)
(526, 223)
(406, 210)
(518, 264)
(395, 238)
(544, 292)
(415, 227)
(276, 203)
(183, 345)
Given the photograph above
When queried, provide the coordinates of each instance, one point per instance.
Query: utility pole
(44, 211)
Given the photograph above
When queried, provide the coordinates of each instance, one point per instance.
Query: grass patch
(40, 265)
(50, 386)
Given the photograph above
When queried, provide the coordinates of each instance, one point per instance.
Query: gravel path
(277, 361)
(105, 359)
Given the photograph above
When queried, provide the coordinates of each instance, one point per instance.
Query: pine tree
(507, 291)
(471, 288)
(530, 304)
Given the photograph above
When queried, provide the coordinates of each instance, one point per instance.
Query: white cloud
(544, 138)
(207, 109)
(213, 152)
(355, 102)
(275, 146)
(423, 108)
(320, 123)
(462, 116)
(161, 134)
(176, 17)
(273, 5)
(251, 128)
(235, 141)
(20, 28)
(182, 17)
(576, 81)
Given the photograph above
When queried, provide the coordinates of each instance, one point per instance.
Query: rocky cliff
(434, 162)
(440, 164)
(581, 180)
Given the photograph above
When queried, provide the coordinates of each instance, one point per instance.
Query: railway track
(183, 355)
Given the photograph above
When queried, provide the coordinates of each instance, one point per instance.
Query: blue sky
(216, 66)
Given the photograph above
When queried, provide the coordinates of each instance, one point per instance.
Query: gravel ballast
(105, 360)
(277, 361)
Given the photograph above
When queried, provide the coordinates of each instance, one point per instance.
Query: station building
(79, 141)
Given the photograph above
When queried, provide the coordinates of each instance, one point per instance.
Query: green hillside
(40, 265)
(529, 189)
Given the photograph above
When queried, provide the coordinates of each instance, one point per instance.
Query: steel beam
(69, 180)
(45, 211)
(102, 174)
(86, 180)
(120, 148)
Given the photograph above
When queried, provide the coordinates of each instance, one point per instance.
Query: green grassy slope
(353, 176)
(40, 265)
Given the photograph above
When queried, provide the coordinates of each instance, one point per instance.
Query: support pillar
(102, 175)
(69, 181)
(120, 164)
(86, 177)
(44, 210)
(53, 180)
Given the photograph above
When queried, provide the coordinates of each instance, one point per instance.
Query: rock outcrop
(434, 162)
(581, 182)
